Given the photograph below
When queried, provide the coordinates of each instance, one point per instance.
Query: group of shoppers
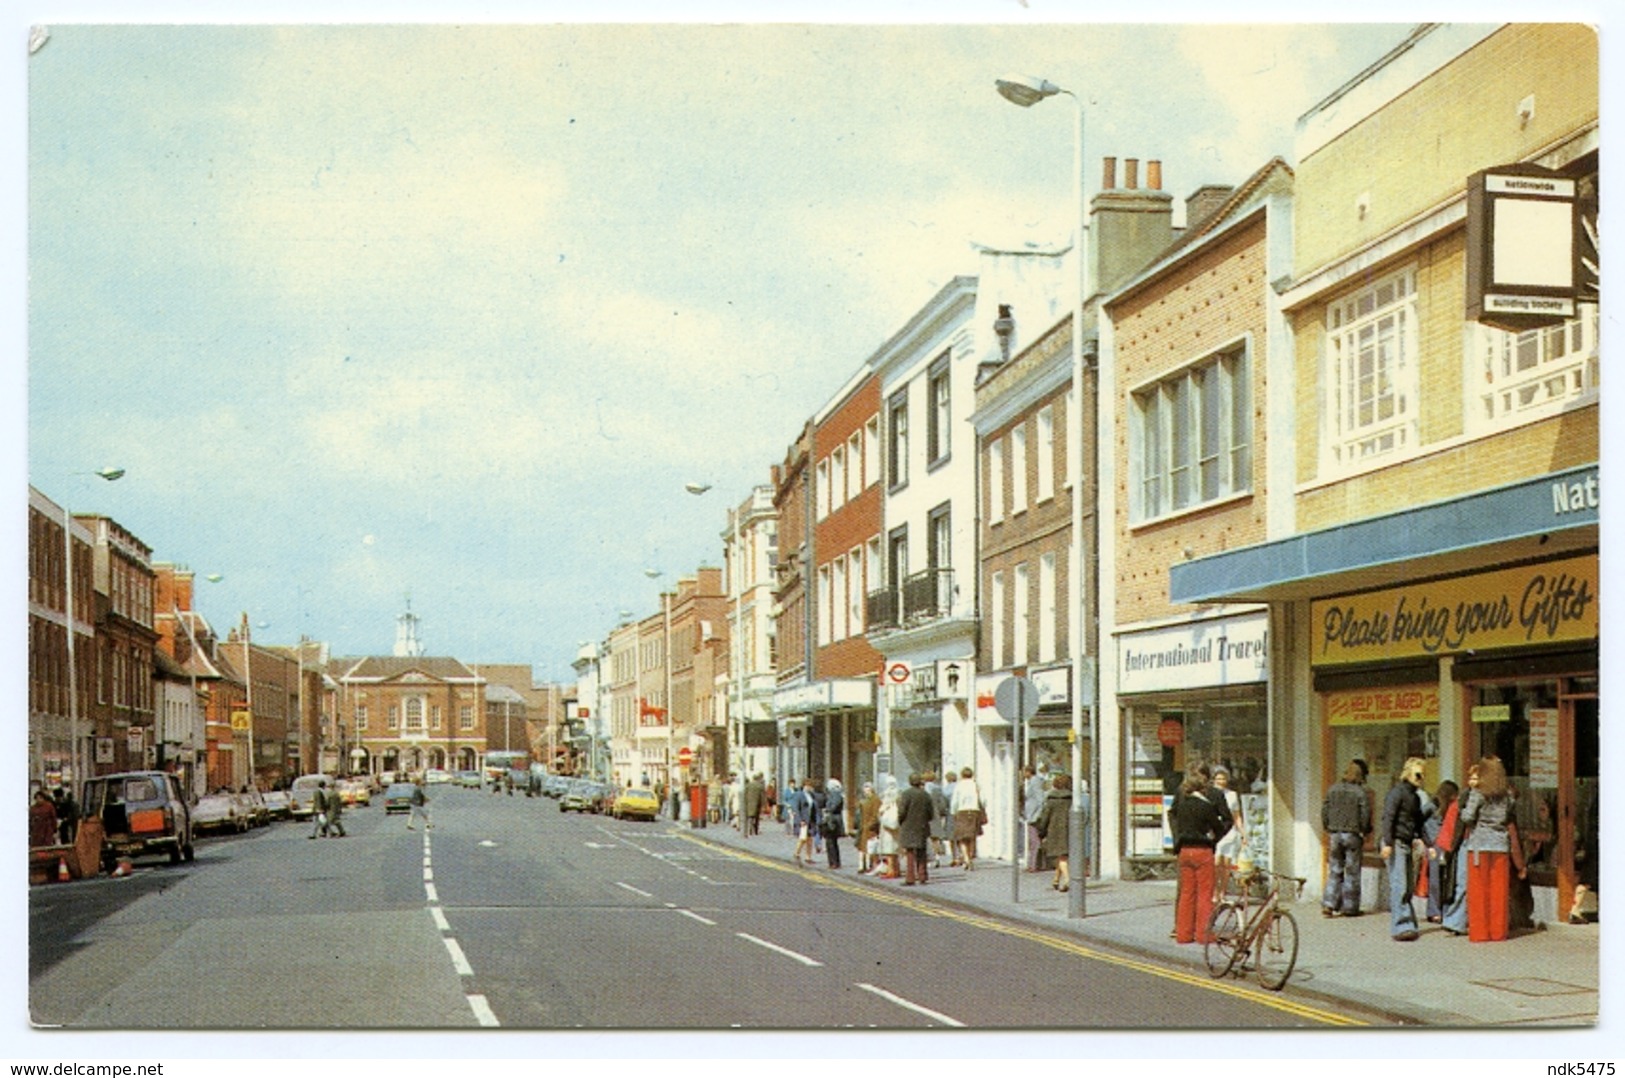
(1460, 850)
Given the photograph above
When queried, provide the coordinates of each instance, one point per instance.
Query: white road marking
(487, 843)
(428, 889)
(428, 873)
(803, 959)
(915, 1007)
(440, 921)
(600, 845)
(458, 959)
(697, 917)
(634, 890)
(482, 1011)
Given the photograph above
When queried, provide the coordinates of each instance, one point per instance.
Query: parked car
(386, 779)
(435, 774)
(279, 804)
(142, 813)
(398, 798)
(254, 803)
(635, 803)
(303, 793)
(555, 785)
(579, 796)
(219, 812)
(354, 792)
(469, 778)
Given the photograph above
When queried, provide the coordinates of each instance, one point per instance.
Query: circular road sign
(897, 672)
(1016, 699)
(685, 756)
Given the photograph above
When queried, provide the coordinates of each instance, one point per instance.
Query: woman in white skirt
(1228, 849)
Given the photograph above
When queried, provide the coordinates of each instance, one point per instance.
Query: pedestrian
(1035, 789)
(868, 827)
(67, 816)
(969, 816)
(1585, 852)
(1228, 849)
(1196, 823)
(1492, 851)
(834, 821)
(815, 791)
(1436, 832)
(789, 800)
(319, 815)
(42, 822)
(1453, 876)
(420, 806)
(1401, 827)
(914, 812)
(806, 824)
(889, 841)
(751, 805)
(733, 802)
(335, 812)
(942, 823)
(1345, 815)
(1052, 824)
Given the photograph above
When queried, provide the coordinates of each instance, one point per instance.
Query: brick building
(413, 712)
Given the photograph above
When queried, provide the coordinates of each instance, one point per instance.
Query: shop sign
(134, 740)
(1370, 707)
(1542, 746)
(1553, 602)
(104, 750)
(1053, 686)
(1492, 713)
(1525, 255)
(1202, 654)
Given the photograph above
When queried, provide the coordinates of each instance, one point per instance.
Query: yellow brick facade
(1197, 309)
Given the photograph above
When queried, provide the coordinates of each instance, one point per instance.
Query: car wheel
(175, 853)
(189, 853)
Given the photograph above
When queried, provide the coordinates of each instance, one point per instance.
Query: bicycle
(1249, 924)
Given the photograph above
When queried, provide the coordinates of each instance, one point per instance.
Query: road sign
(895, 672)
(685, 756)
(242, 720)
(1016, 699)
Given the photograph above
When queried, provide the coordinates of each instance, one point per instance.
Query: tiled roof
(390, 667)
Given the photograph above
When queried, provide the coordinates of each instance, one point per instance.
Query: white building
(749, 552)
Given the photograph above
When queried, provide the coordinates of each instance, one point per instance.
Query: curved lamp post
(1026, 91)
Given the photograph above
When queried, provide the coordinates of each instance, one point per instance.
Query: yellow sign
(1552, 602)
(1367, 707)
(242, 720)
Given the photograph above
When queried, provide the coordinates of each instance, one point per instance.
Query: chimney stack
(1108, 179)
(1131, 173)
(1128, 226)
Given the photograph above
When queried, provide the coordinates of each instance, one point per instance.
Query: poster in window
(1542, 746)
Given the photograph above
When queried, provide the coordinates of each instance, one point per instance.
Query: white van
(302, 794)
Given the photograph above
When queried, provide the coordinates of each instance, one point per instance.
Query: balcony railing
(923, 597)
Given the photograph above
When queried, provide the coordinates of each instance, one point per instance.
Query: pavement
(1545, 977)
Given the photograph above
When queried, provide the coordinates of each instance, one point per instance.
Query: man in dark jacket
(914, 813)
(1401, 826)
(751, 807)
(1346, 817)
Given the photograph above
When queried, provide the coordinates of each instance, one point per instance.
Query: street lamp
(1026, 91)
(109, 474)
(696, 487)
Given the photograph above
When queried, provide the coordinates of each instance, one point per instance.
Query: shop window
(1519, 724)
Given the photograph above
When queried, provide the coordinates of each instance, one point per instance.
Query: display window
(1545, 733)
(1384, 727)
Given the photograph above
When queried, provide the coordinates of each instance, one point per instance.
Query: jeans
(1343, 871)
(1402, 916)
(1455, 908)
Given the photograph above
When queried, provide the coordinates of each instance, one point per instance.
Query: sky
(449, 314)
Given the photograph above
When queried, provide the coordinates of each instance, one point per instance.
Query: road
(509, 913)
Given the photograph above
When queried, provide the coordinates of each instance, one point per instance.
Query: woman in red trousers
(1492, 852)
(1196, 824)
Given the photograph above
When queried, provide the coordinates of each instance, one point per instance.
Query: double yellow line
(1047, 939)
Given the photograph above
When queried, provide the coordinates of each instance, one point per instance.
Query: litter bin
(697, 797)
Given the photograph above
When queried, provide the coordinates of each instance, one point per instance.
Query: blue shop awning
(1552, 514)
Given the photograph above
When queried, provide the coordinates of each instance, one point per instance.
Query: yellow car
(635, 803)
(355, 792)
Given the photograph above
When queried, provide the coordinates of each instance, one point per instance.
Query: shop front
(826, 729)
(1498, 663)
(1190, 694)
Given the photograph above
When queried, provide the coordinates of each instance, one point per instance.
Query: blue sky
(454, 312)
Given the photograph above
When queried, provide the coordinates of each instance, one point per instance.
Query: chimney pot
(1153, 175)
(1131, 173)
(1108, 179)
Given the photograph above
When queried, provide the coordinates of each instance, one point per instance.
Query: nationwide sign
(1552, 602)
(1524, 247)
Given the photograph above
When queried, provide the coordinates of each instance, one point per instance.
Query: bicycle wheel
(1223, 938)
(1277, 950)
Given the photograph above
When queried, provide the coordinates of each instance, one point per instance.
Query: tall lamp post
(75, 750)
(1026, 91)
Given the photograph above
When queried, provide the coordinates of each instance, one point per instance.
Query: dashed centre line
(459, 961)
(803, 959)
(936, 1016)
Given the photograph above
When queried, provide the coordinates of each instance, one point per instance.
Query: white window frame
(837, 600)
(837, 477)
(854, 466)
(855, 590)
(939, 399)
(1021, 586)
(1046, 607)
(1018, 469)
(897, 439)
(823, 605)
(1518, 378)
(1372, 387)
(871, 452)
(1191, 435)
(821, 497)
(996, 621)
(995, 481)
(1046, 453)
